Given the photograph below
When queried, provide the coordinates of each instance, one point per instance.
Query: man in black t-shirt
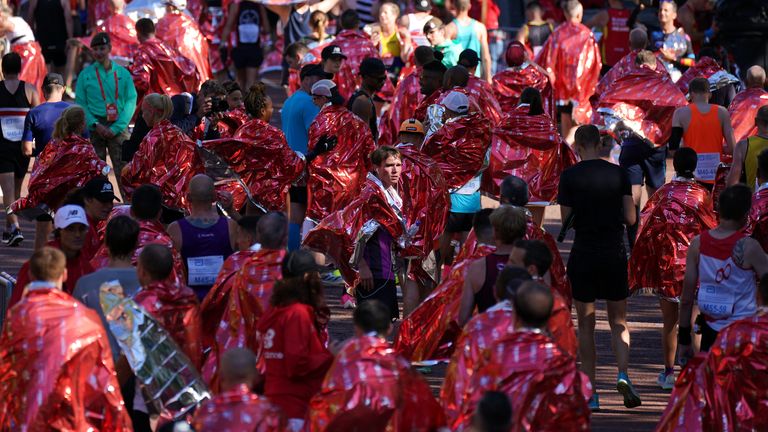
(599, 196)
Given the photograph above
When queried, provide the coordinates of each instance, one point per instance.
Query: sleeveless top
(13, 110)
(485, 298)
(22, 32)
(390, 45)
(372, 122)
(538, 33)
(49, 14)
(705, 135)
(416, 25)
(755, 145)
(466, 35)
(248, 24)
(297, 27)
(204, 251)
(726, 291)
(616, 35)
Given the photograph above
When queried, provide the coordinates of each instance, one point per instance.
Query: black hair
(532, 97)
(735, 202)
(350, 20)
(493, 413)
(533, 304)
(481, 223)
(11, 64)
(537, 254)
(699, 85)
(685, 161)
(272, 230)
(509, 280)
(145, 26)
(587, 136)
(514, 191)
(212, 88)
(122, 236)
(231, 86)
(157, 260)
(372, 316)
(250, 224)
(146, 202)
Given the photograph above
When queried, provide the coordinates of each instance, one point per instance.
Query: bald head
(638, 39)
(238, 366)
(573, 10)
(273, 230)
(201, 190)
(457, 76)
(755, 77)
(533, 304)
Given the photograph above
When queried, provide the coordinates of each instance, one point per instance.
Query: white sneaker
(666, 382)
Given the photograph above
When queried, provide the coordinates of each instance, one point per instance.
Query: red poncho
(158, 68)
(724, 389)
(232, 309)
(531, 148)
(167, 157)
(757, 223)
(420, 113)
(98, 11)
(743, 110)
(231, 121)
(122, 36)
(459, 148)
(509, 83)
(704, 68)
(342, 234)
(483, 93)
(404, 102)
(645, 100)
(560, 282)
(368, 384)
(677, 212)
(259, 155)
(33, 67)
(239, 410)
(176, 308)
(544, 386)
(357, 46)
(623, 67)
(62, 166)
(180, 32)
(335, 177)
(56, 369)
(572, 54)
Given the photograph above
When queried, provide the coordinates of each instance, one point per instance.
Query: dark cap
(314, 70)
(53, 79)
(435, 66)
(332, 51)
(422, 5)
(100, 188)
(515, 54)
(100, 39)
(433, 24)
(372, 67)
(298, 263)
(468, 58)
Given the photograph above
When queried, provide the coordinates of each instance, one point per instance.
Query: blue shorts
(645, 165)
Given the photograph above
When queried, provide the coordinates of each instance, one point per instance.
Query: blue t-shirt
(38, 125)
(467, 198)
(296, 117)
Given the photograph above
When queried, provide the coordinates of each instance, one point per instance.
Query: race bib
(249, 33)
(706, 169)
(471, 187)
(13, 127)
(203, 270)
(716, 301)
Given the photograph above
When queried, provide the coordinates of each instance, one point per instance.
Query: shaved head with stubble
(273, 230)
(638, 39)
(457, 76)
(533, 305)
(238, 367)
(202, 189)
(755, 77)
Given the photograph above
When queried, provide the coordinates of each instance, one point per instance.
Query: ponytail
(72, 120)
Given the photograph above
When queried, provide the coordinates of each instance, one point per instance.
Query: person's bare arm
(690, 281)
(725, 121)
(67, 17)
(630, 214)
(404, 21)
(174, 232)
(324, 5)
(753, 256)
(688, 23)
(472, 284)
(451, 32)
(485, 53)
(599, 20)
(231, 17)
(232, 223)
(522, 34)
(565, 211)
(282, 11)
(32, 96)
(734, 175)
(362, 108)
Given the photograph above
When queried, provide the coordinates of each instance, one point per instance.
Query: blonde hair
(71, 121)
(161, 104)
(509, 223)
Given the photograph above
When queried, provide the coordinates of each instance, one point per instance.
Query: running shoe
(332, 278)
(6, 237)
(594, 403)
(625, 387)
(666, 381)
(348, 302)
(15, 238)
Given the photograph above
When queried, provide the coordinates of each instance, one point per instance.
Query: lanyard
(103, 96)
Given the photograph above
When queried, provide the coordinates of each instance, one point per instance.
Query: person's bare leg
(566, 123)
(669, 314)
(617, 320)
(410, 291)
(240, 75)
(585, 314)
(73, 53)
(43, 231)
(251, 76)
(537, 214)
(8, 186)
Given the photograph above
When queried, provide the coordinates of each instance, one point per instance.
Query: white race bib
(13, 127)
(706, 169)
(716, 301)
(249, 33)
(471, 187)
(203, 270)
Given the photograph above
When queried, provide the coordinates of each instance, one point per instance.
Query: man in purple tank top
(509, 223)
(204, 238)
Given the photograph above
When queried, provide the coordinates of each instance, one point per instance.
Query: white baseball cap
(457, 102)
(68, 215)
(323, 88)
(178, 4)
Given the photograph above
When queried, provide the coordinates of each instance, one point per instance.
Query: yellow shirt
(755, 145)
(390, 45)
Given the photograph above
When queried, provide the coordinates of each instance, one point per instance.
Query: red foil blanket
(420, 113)
(724, 389)
(122, 36)
(560, 282)
(623, 67)
(232, 308)
(158, 68)
(677, 212)
(459, 147)
(743, 110)
(404, 102)
(369, 384)
(33, 67)
(62, 166)
(238, 410)
(259, 156)
(343, 233)
(357, 46)
(757, 223)
(176, 308)
(167, 157)
(231, 121)
(544, 386)
(56, 369)
(531, 148)
(335, 177)
(644, 99)
(573, 56)
(483, 93)
(704, 68)
(182, 33)
(150, 232)
(509, 83)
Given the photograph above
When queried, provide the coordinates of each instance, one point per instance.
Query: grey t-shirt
(87, 291)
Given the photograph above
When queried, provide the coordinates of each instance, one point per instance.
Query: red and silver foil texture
(33, 68)
(757, 223)
(158, 68)
(743, 110)
(182, 33)
(122, 37)
(239, 409)
(704, 68)
(509, 83)
(357, 46)
(404, 102)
